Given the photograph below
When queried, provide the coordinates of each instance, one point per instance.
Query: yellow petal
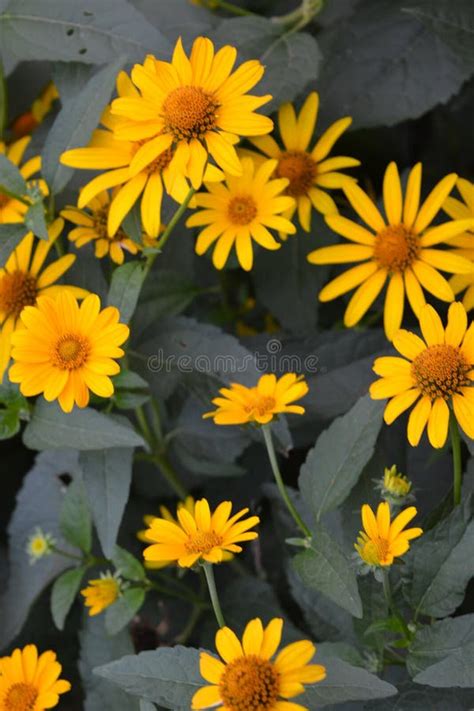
(412, 195)
(307, 121)
(438, 423)
(431, 326)
(392, 194)
(394, 302)
(364, 206)
(340, 254)
(434, 201)
(457, 324)
(329, 138)
(418, 419)
(347, 281)
(364, 297)
(399, 403)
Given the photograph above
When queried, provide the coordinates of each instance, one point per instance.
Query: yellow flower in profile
(101, 593)
(30, 682)
(92, 227)
(166, 514)
(39, 545)
(106, 153)
(464, 243)
(41, 107)
(250, 676)
(239, 404)
(23, 280)
(12, 210)
(240, 212)
(383, 540)
(197, 105)
(394, 484)
(199, 536)
(65, 350)
(399, 249)
(433, 373)
(309, 170)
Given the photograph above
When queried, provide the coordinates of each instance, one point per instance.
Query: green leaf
(127, 565)
(130, 390)
(125, 289)
(70, 31)
(436, 642)
(124, 609)
(35, 220)
(97, 647)
(11, 178)
(87, 429)
(147, 706)
(345, 683)
(9, 423)
(107, 477)
(38, 505)
(331, 470)
(455, 670)
(452, 22)
(439, 565)
(379, 53)
(291, 59)
(324, 567)
(283, 277)
(167, 676)
(75, 518)
(10, 238)
(413, 697)
(63, 594)
(167, 295)
(75, 122)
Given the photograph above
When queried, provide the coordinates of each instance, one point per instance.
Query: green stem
(230, 7)
(169, 229)
(65, 554)
(267, 434)
(3, 102)
(144, 427)
(188, 597)
(299, 18)
(391, 604)
(211, 584)
(187, 631)
(170, 475)
(457, 463)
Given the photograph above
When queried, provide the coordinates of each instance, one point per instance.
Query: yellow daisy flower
(433, 372)
(249, 677)
(382, 541)
(399, 249)
(23, 280)
(201, 536)
(65, 350)
(196, 104)
(12, 210)
(30, 682)
(39, 545)
(309, 170)
(92, 226)
(115, 157)
(271, 396)
(242, 210)
(166, 514)
(101, 593)
(464, 243)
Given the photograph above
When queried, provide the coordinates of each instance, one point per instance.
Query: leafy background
(403, 70)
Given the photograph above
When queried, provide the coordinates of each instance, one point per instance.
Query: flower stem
(391, 604)
(170, 475)
(457, 463)
(267, 435)
(230, 7)
(169, 229)
(211, 584)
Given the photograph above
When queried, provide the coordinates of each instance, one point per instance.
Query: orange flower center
(261, 405)
(70, 352)
(203, 542)
(20, 697)
(440, 371)
(300, 169)
(17, 290)
(160, 163)
(250, 683)
(396, 248)
(376, 551)
(189, 112)
(242, 210)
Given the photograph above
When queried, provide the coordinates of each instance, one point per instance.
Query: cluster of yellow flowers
(174, 128)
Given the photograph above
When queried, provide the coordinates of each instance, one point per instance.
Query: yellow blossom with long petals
(402, 248)
(30, 681)
(434, 372)
(383, 540)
